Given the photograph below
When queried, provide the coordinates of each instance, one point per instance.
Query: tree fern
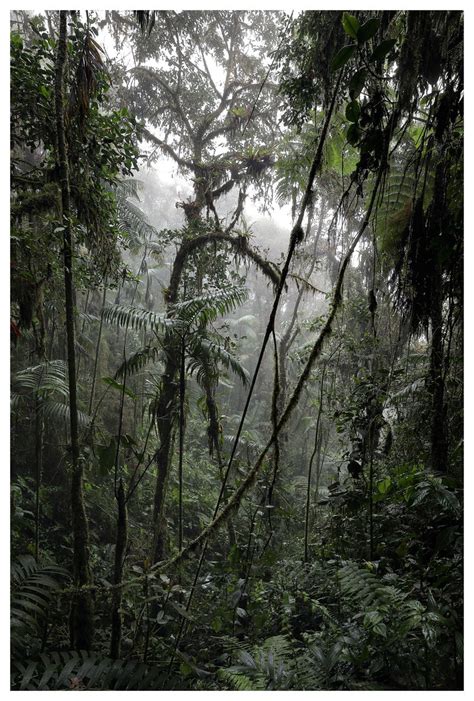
(401, 190)
(198, 311)
(189, 319)
(129, 187)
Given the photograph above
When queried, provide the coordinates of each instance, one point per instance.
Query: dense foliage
(232, 467)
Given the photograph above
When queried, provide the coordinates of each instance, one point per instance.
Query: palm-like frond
(83, 671)
(205, 350)
(129, 187)
(137, 361)
(401, 190)
(187, 319)
(43, 379)
(90, 69)
(198, 311)
(268, 666)
(205, 308)
(140, 319)
(133, 221)
(33, 591)
(57, 411)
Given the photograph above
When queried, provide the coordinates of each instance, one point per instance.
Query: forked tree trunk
(82, 613)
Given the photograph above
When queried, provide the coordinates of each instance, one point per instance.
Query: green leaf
(356, 83)
(383, 49)
(181, 610)
(384, 485)
(17, 42)
(216, 625)
(351, 24)
(185, 669)
(368, 30)
(116, 385)
(353, 134)
(371, 618)
(380, 629)
(353, 111)
(343, 56)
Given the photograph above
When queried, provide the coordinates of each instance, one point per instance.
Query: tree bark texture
(120, 549)
(82, 614)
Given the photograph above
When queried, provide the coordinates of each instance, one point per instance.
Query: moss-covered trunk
(82, 615)
(120, 549)
(165, 412)
(439, 448)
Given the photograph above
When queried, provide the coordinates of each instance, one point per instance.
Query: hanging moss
(34, 203)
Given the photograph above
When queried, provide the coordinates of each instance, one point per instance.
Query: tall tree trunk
(82, 613)
(214, 443)
(39, 426)
(439, 448)
(182, 391)
(317, 440)
(97, 350)
(120, 548)
(164, 419)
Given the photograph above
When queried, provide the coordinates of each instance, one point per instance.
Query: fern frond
(201, 310)
(83, 671)
(205, 349)
(365, 587)
(33, 591)
(130, 187)
(57, 411)
(268, 666)
(138, 319)
(137, 361)
(42, 379)
(238, 681)
(133, 220)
